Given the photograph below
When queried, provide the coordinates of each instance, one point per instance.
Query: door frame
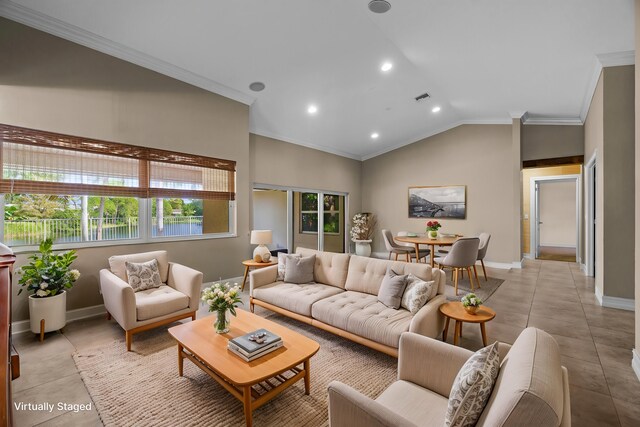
(534, 209)
(590, 210)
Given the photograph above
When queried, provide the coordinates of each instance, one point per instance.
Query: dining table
(426, 240)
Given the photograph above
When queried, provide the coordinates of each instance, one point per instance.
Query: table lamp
(261, 238)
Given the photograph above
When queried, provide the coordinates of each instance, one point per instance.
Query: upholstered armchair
(177, 298)
(532, 388)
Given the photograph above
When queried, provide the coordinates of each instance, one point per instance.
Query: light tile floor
(595, 343)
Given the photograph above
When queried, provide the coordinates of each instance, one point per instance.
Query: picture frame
(444, 201)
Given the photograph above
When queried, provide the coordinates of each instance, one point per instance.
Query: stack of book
(255, 344)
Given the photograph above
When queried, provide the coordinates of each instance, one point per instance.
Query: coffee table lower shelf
(250, 397)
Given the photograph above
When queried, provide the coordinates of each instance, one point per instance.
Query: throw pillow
(417, 293)
(143, 275)
(282, 262)
(299, 269)
(472, 387)
(392, 288)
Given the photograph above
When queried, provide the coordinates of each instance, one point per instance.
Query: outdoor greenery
(309, 213)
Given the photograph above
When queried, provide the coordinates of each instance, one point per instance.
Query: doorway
(590, 207)
(555, 214)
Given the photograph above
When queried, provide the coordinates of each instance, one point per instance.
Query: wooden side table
(249, 263)
(454, 310)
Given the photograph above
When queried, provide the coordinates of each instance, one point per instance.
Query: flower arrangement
(471, 302)
(48, 274)
(220, 298)
(433, 225)
(363, 225)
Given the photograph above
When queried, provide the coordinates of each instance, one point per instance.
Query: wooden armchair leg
(108, 316)
(128, 339)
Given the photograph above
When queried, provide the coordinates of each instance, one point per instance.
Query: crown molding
(40, 21)
(304, 144)
(522, 115)
(565, 121)
(615, 59)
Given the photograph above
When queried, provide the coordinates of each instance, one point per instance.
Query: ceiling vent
(379, 6)
(257, 86)
(422, 97)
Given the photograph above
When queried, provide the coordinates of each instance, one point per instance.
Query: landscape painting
(438, 202)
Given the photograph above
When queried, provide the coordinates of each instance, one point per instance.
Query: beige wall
(527, 174)
(637, 190)
(551, 141)
(609, 131)
(270, 213)
(478, 156)
(558, 214)
(275, 162)
(52, 84)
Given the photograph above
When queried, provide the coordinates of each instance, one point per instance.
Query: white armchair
(176, 299)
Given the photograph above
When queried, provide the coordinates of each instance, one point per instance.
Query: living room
(99, 89)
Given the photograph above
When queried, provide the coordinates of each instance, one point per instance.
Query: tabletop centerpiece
(471, 302)
(363, 225)
(222, 298)
(432, 229)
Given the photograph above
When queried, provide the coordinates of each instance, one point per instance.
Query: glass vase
(222, 321)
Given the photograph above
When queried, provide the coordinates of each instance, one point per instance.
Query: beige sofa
(343, 299)
(532, 388)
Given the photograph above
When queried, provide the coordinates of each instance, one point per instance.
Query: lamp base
(261, 254)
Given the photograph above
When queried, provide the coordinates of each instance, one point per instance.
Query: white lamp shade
(261, 237)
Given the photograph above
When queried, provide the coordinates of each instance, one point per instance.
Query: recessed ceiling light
(379, 6)
(386, 66)
(257, 86)
(435, 109)
(312, 109)
(374, 135)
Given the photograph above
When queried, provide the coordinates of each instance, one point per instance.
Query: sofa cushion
(529, 389)
(362, 314)
(392, 288)
(330, 269)
(421, 406)
(417, 293)
(158, 302)
(282, 262)
(117, 263)
(299, 270)
(472, 387)
(366, 274)
(295, 298)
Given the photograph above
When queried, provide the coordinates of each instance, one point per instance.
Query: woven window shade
(48, 163)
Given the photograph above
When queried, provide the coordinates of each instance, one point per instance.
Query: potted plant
(471, 302)
(363, 225)
(48, 276)
(222, 298)
(432, 229)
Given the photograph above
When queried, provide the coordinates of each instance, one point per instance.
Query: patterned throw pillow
(417, 293)
(143, 275)
(472, 387)
(282, 264)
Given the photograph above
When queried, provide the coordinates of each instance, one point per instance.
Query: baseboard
(635, 362)
(615, 302)
(22, 326)
(492, 264)
(583, 268)
(527, 256)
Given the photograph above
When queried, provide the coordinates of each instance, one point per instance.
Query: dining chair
(482, 251)
(463, 256)
(394, 248)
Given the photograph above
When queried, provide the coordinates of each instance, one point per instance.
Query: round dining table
(426, 240)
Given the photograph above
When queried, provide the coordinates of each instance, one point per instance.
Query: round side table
(454, 310)
(252, 264)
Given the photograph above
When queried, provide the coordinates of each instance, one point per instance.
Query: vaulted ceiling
(480, 61)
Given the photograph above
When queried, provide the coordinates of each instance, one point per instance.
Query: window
(80, 190)
(309, 213)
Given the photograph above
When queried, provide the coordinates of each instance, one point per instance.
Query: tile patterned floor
(595, 343)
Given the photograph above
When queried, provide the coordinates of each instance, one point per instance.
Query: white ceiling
(481, 61)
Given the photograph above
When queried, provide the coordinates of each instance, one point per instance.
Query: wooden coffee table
(253, 383)
(454, 310)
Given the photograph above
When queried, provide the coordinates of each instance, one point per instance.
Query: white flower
(42, 293)
(44, 285)
(75, 274)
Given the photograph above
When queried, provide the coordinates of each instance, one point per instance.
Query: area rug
(487, 288)
(142, 387)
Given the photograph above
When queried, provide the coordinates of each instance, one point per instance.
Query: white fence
(67, 230)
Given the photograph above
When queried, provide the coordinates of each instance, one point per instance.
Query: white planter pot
(363, 247)
(52, 309)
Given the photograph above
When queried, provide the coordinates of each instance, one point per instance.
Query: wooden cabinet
(9, 359)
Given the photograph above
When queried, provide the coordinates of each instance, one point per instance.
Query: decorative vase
(363, 247)
(433, 234)
(471, 309)
(222, 321)
(53, 310)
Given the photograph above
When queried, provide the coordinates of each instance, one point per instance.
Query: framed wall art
(449, 201)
